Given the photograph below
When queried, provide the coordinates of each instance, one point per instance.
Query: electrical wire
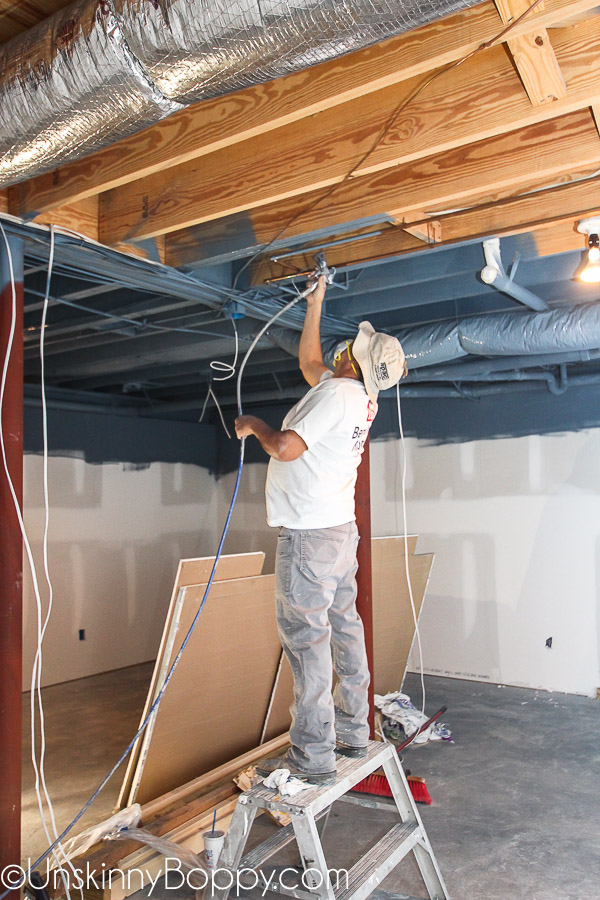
(385, 129)
(407, 568)
(35, 679)
(153, 709)
(36, 676)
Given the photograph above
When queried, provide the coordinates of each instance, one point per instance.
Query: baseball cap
(380, 357)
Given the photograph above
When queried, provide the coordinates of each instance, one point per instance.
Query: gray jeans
(315, 592)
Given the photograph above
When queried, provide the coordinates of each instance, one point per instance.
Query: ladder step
(272, 845)
(379, 861)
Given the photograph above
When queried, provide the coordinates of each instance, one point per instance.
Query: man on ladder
(310, 498)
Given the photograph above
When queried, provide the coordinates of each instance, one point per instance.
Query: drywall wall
(515, 527)
(117, 533)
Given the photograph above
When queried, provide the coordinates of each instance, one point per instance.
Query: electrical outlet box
(82, 634)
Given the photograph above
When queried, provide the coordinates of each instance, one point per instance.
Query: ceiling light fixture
(591, 271)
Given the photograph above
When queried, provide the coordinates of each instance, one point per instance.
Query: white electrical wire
(405, 528)
(211, 393)
(218, 365)
(36, 673)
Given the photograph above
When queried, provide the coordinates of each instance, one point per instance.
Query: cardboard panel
(237, 565)
(189, 572)
(214, 706)
(278, 718)
(393, 622)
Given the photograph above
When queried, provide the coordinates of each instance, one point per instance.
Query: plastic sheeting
(100, 70)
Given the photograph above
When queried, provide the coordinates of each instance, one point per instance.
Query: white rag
(125, 818)
(283, 781)
(397, 706)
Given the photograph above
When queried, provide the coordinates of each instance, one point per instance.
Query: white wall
(117, 533)
(515, 526)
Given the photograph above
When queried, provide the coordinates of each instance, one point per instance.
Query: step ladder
(308, 811)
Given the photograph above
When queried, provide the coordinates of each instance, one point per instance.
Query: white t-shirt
(317, 489)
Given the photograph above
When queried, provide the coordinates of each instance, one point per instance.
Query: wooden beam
(456, 112)
(561, 205)
(596, 114)
(17, 16)
(533, 54)
(214, 124)
(4, 201)
(541, 152)
(81, 217)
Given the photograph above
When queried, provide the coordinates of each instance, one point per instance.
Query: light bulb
(591, 272)
(594, 254)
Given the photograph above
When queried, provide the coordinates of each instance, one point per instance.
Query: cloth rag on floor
(281, 780)
(397, 707)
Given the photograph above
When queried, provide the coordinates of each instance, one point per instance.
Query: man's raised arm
(310, 353)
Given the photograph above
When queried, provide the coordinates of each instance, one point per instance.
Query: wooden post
(11, 570)
(364, 581)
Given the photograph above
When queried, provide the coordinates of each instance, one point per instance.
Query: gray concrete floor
(516, 812)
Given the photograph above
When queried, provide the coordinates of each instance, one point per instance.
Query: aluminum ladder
(308, 811)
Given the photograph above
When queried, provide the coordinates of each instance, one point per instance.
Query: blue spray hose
(186, 640)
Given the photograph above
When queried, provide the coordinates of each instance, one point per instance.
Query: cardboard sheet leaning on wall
(229, 690)
(191, 573)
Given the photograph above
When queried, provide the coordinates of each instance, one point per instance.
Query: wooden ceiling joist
(541, 152)
(561, 205)
(533, 54)
(479, 99)
(216, 124)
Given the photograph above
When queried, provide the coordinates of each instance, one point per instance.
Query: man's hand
(244, 426)
(282, 445)
(317, 295)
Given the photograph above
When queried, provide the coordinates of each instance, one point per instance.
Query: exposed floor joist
(215, 124)
(542, 153)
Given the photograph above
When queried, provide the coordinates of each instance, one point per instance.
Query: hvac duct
(504, 334)
(102, 69)
(558, 331)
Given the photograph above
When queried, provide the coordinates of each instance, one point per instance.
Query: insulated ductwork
(504, 334)
(559, 331)
(100, 70)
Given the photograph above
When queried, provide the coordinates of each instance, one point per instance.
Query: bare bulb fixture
(590, 273)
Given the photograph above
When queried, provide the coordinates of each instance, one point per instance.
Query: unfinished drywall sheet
(213, 708)
(189, 572)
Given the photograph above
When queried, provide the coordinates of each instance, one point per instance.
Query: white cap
(380, 357)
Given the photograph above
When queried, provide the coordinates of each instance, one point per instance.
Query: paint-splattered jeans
(315, 591)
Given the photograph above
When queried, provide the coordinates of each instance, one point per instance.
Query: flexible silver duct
(100, 70)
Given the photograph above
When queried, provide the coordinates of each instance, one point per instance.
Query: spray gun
(321, 268)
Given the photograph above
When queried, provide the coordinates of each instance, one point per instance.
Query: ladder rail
(311, 807)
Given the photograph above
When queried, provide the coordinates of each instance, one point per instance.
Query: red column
(11, 564)
(364, 600)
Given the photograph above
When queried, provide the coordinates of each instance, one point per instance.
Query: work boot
(266, 766)
(353, 752)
